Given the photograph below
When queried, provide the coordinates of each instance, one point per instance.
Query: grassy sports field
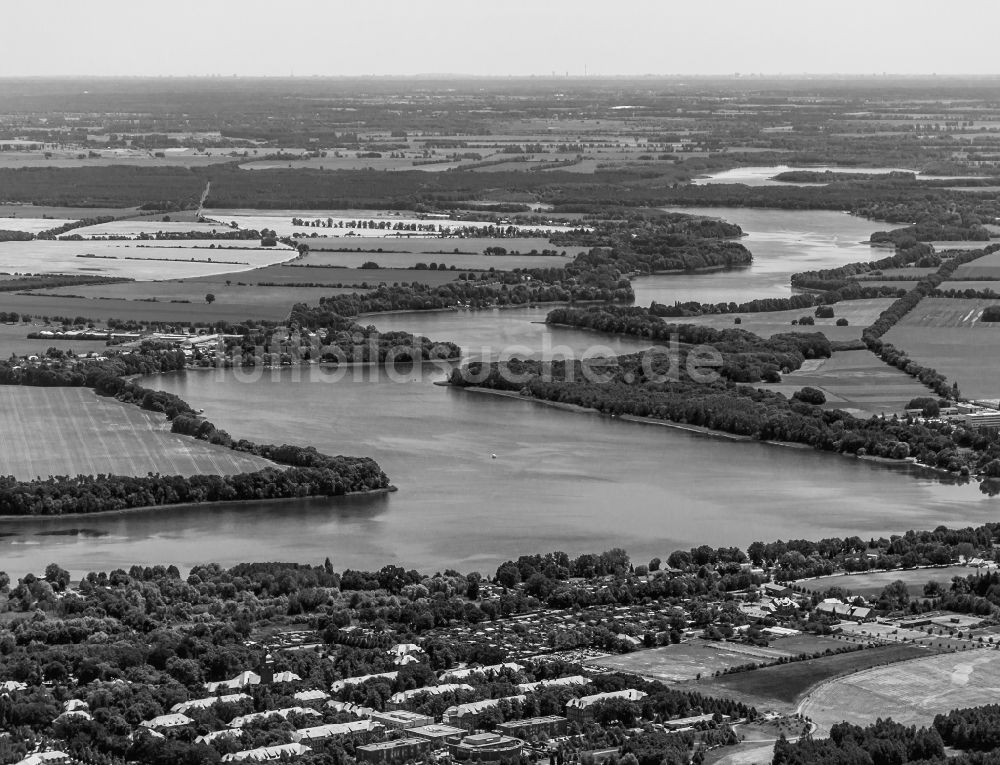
(911, 692)
(71, 431)
(780, 686)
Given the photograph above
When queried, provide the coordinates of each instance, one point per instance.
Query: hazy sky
(519, 37)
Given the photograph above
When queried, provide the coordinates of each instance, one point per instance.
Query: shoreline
(699, 429)
(175, 505)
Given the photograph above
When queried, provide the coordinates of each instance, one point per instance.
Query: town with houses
(568, 684)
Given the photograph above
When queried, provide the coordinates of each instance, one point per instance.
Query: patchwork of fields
(911, 692)
(72, 431)
(855, 381)
(945, 333)
(115, 258)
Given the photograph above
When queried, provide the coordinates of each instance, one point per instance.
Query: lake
(783, 242)
(764, 175)
(560, 480)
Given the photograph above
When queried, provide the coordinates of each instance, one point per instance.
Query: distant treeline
(761, 305)
(51, 281)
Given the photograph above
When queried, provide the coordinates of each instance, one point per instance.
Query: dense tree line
(852, 291)
(65, 495)
(507, 289)
(57, 231)
(883, 742)
(658, 243)
(975, 728)
(50, 281)
(15, 236)
(746, 356)
(626, 388)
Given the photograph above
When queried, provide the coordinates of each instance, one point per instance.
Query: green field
(988, 265)
(911, 692)
(870, 584)
(119, 258)
(859, 314)
(686, 661)
(944, 333)
(234, 301)
(71, 431)
(782, 685)
(855, 381)
(299, 274)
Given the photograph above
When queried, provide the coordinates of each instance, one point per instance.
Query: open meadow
(780, 686)
(945, 333)
(124, 259)
(858, 382)
(859, 314)
(73, 431)
(911, 692)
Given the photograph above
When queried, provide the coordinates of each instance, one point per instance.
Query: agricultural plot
(136, 226)
(988, 266)
(353, 277)
(397, 260)
(859, 314)
(62, 214)
(100, 309)
(248, 301)
(946, 334)
(71, 431)
(855, 381)
(122, 259)
(872, 583)
(31, 225)
(911, 692)
(977, 284)
(438, 246)
(281, 222)
(782, 685)
(107, 158)
(689, 661)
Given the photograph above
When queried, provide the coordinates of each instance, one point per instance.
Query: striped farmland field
(72, 431)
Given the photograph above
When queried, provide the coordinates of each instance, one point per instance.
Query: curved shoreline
(697, 429)
(175, 505)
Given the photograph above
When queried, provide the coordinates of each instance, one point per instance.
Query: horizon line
(545, 76)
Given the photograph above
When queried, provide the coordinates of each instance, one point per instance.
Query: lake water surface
(560, 480)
